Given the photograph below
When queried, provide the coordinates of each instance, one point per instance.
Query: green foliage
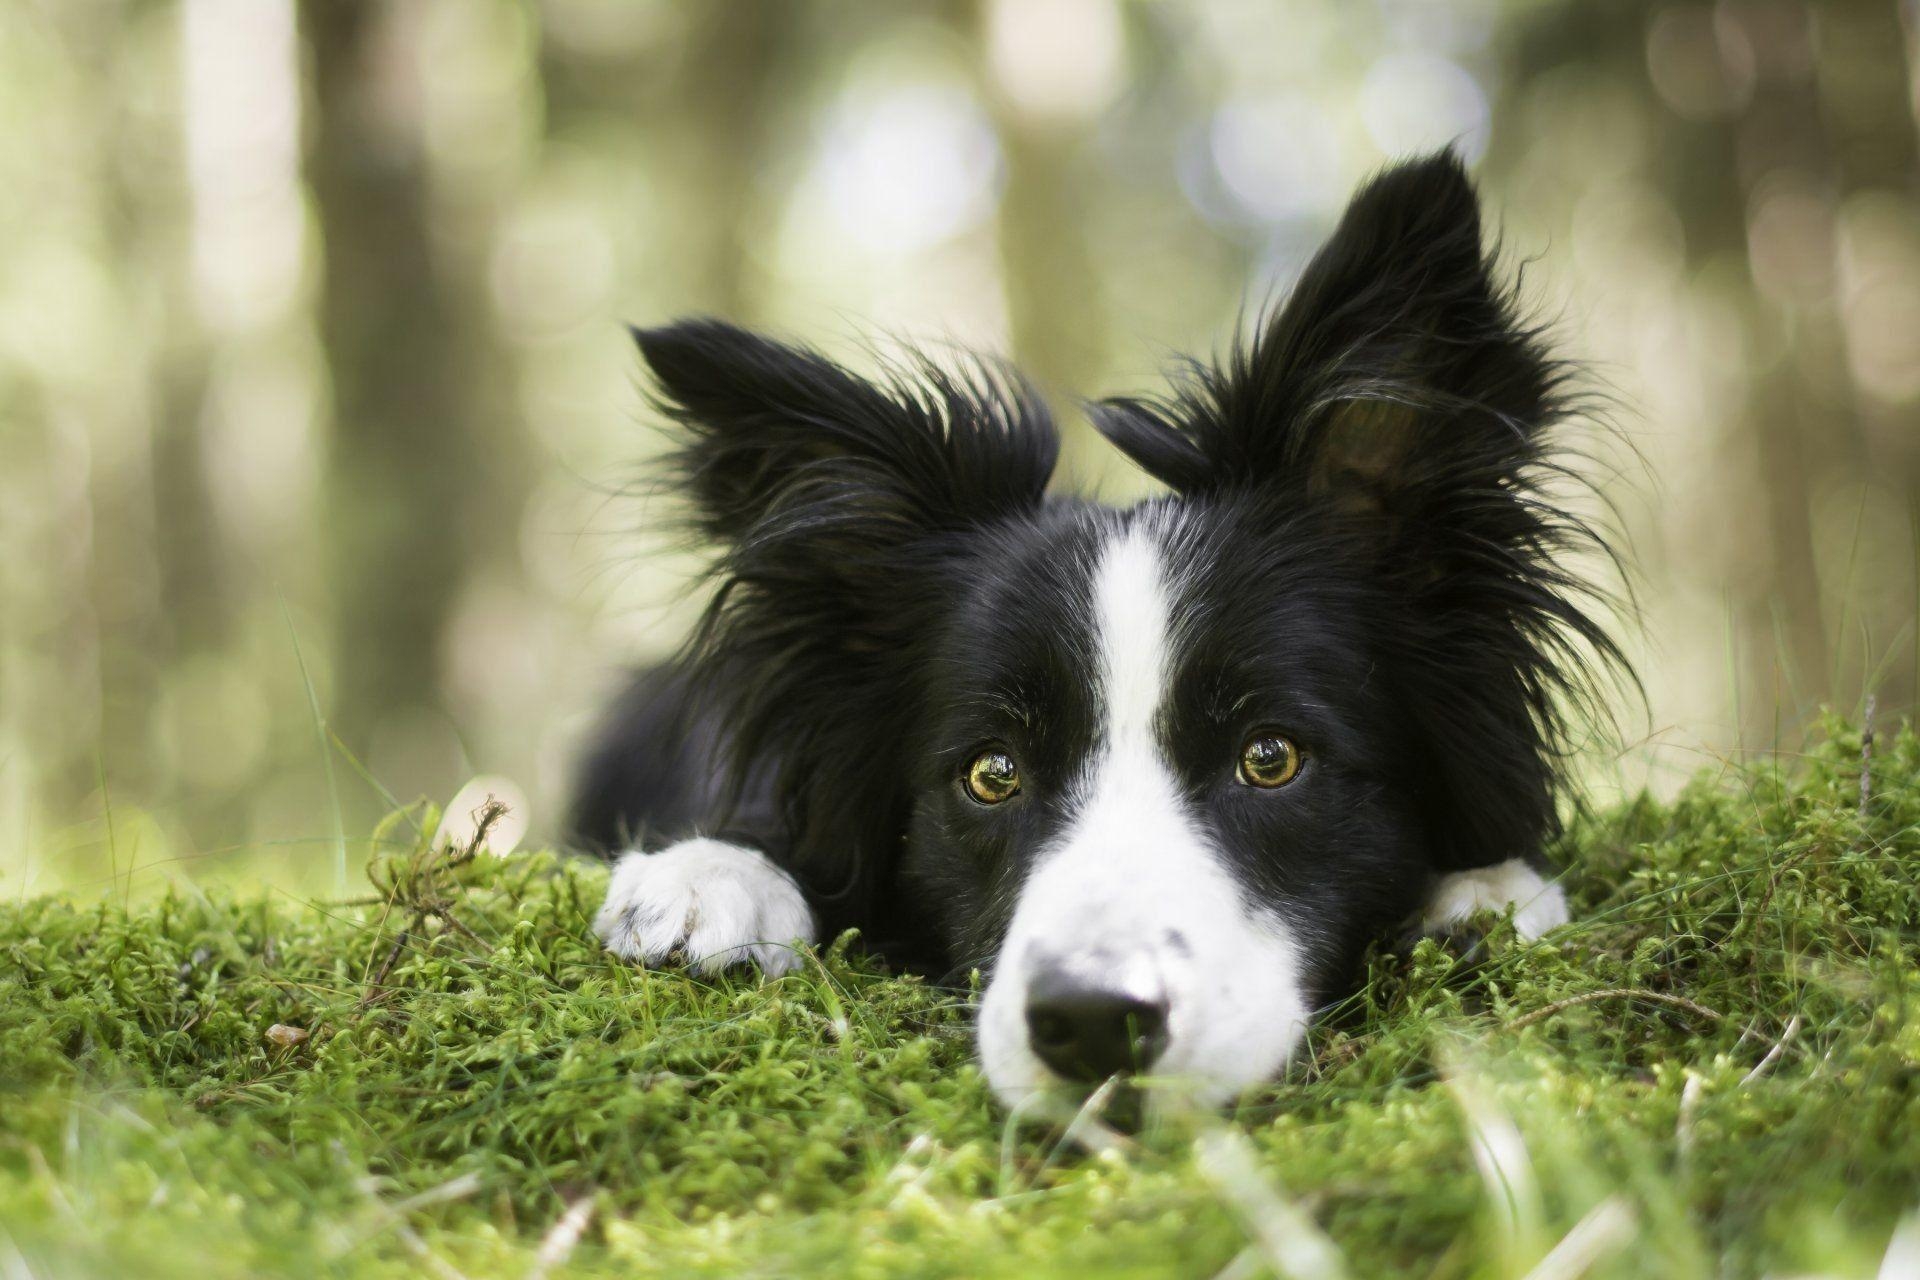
(1720, 1055)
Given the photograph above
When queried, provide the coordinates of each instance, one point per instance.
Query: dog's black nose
(1086, 1031)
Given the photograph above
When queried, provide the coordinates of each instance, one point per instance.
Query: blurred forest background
(315, 401)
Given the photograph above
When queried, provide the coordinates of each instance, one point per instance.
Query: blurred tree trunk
(1052, 290)
(711, 104)
(403, 471)
(1869, 97)
(126, 628)
(1054, 310)
(1777, 143)
(742, 53)
(1830, 116)
(1818, 122)
(194, 592)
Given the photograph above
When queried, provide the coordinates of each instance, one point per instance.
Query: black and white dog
(1161, 773)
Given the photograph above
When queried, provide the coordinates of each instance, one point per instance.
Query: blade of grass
(326, 757)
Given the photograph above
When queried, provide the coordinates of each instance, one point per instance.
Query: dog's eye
(993, 777)
(1269, 760)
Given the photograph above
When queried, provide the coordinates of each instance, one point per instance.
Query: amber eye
(993, 778)
(1269, 760)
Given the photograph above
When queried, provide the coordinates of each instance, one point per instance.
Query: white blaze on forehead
(1132, 894)
(1131, 617)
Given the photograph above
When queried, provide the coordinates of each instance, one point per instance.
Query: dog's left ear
(1396, 375)
(1398, 400)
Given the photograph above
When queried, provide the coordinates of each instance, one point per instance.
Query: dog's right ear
(838, 506)
(781, 439)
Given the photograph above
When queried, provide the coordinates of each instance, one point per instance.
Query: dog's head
(1162, 773)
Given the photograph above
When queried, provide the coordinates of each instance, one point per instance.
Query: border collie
(1161, 773)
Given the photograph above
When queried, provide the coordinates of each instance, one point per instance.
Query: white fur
(1537, 905)
(712, 903)
(1133, 895)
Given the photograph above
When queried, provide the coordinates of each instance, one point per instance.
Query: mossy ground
(1717, 1068)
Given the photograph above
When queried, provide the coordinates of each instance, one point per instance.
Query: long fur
(1399, 391)
(834, 501)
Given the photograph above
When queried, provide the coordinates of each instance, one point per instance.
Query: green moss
(1723, 1049)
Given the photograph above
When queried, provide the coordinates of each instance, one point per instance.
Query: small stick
(1248, 1264)
(454, 1189)
(484, 818)
(1683, 1124)
(558, 1244)
(1866, 758)
(396, 1218)
(1088, 1129)
(421, 1250)
(446, 917)
(386, 965)
(1613, 993)
(1773, 1055)
(1290, 1241)
(1606, 1229)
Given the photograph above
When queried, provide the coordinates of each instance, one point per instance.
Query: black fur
(1397, 399)
(839, 507)
(1370, 555)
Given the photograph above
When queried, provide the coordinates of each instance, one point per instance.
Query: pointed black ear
(1396, 370)
(1398, 403)
(769, 428)
(839, 508)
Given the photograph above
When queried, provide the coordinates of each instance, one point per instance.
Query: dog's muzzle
(1089, 1028)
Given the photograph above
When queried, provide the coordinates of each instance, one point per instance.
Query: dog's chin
(1029, 1091)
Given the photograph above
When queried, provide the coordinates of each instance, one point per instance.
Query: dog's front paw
(705, 902)
(1538, 905)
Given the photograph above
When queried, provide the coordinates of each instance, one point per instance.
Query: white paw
(707, 902)
(1537, 905)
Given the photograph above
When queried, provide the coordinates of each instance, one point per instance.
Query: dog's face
(1163, 793)
(1161, 773)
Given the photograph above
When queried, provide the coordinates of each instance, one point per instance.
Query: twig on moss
(417, 888)
(1689, 1108)
(1290, 1241)
(379, 979)
(561, 1239)
(1089, 1131)
(1606, 1229)
(1773, 1055)
(1616, 993)
(490, 813)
